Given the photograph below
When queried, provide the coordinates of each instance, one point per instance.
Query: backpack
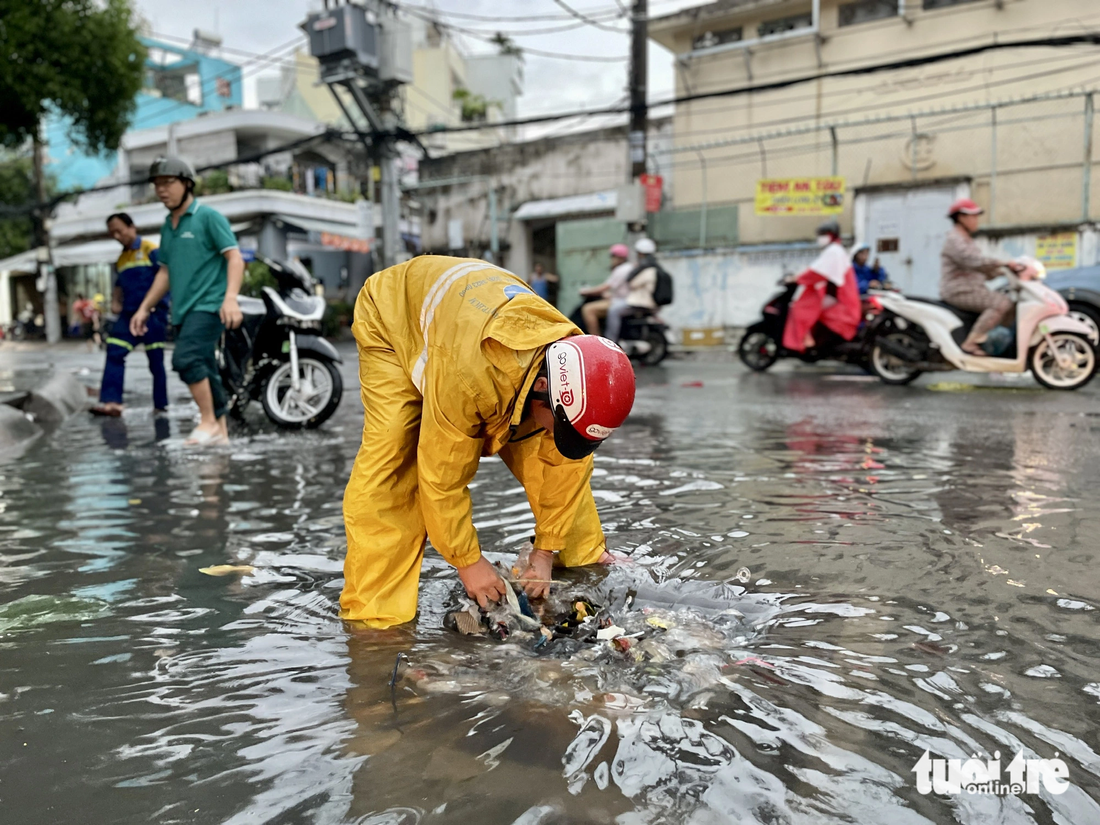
(662, 290)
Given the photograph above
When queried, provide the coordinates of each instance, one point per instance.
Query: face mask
(824, 240)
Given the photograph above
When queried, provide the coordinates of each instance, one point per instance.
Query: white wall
(728, 288)
(1023, 245)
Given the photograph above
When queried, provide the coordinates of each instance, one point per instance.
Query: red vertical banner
(652, 185)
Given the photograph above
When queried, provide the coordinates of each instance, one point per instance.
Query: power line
(328, 134)
(504, 18)
(239, 52)
(483, 36)
(897, 104)
(913, 62)
(589, 21)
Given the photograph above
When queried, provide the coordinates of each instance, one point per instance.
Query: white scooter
(915, 335)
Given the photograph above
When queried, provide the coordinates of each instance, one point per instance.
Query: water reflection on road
(921, 577)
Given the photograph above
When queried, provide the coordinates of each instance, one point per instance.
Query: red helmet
(964, 206)
(591, 389)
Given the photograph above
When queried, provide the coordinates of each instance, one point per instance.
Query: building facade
(552, 200)
(912, 102)
(180, 84)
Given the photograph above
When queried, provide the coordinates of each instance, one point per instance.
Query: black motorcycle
(762, 344)
(278, 356)
(643, 335)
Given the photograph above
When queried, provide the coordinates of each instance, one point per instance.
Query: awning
(317, 225)
(89, 252)
(77, 254)
(572, 205)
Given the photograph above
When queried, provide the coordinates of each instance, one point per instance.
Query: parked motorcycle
(277, 355)
(643, 336)
(762, 344)
(914, 335)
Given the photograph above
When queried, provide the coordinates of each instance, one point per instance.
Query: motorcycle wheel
(658, 348)
(758, 350)
(1052, 375)
(889, 368)
(313, 404)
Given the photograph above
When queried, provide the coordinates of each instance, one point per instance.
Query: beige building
(912, 102)
(447, 81)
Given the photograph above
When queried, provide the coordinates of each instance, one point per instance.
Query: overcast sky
(552, 85)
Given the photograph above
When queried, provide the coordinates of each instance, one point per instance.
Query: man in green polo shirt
(200, 262)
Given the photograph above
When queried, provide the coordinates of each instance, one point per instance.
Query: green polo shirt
(194, 253)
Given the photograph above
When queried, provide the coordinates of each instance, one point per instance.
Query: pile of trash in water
(646, 624)
(616, 637)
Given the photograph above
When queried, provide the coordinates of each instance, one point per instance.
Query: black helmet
(172, 167)
(829, 228)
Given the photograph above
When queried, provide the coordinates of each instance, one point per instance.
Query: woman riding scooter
(965, 271)
(827, 294)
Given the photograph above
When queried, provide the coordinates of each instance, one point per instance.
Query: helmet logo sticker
(596, 431)
(568, 383)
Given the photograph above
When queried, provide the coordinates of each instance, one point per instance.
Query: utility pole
(47, 277)
(366, 49)
(638, 71)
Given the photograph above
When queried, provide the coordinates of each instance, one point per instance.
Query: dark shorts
(195, 355)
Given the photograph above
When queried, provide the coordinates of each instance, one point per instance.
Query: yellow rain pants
(448, 351)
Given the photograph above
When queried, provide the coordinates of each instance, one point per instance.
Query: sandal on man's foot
(202, 438)
(104, 410)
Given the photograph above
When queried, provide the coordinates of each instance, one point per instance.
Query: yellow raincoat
(448, 351)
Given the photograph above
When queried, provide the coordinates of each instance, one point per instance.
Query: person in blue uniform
(136, 267)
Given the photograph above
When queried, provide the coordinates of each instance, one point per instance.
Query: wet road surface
(920, 575)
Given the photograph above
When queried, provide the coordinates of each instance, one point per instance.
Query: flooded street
(921, 575)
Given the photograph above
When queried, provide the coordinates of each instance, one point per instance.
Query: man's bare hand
(137, 322)
(231, 314)
(536, 575)
(482, 582)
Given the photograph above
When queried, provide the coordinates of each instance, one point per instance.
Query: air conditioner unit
(343, 33)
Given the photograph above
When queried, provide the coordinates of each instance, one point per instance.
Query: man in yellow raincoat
(458, 359)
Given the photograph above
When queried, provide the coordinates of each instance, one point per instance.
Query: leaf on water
(228, 569)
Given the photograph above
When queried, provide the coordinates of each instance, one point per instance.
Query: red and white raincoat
(813, 303)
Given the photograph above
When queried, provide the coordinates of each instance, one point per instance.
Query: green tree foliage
(281, 184)
(475, 108)
(16, 192)
(257, 275)
(214, 182)
(79, 58)
(505, 44)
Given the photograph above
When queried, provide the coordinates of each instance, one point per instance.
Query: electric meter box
(343, 33)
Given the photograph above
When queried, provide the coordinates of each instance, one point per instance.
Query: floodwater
(921, 575)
